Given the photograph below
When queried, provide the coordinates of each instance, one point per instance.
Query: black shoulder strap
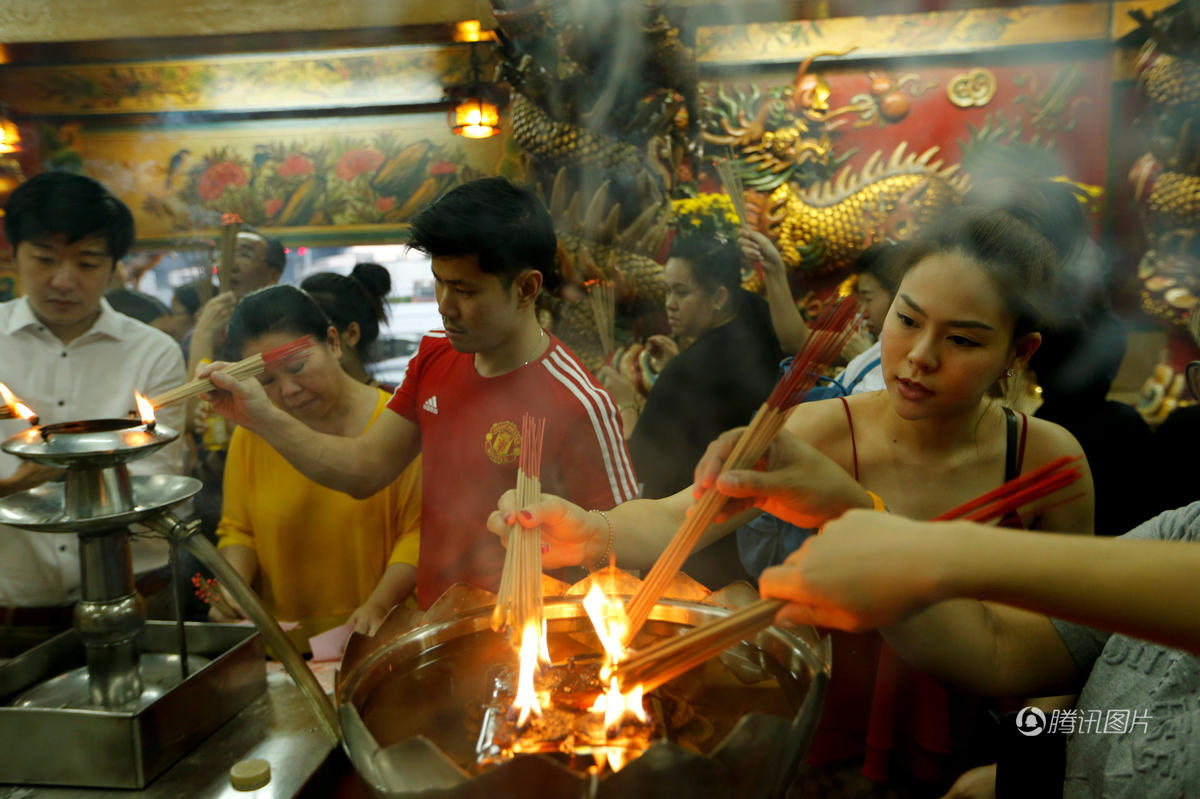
(1010, 445)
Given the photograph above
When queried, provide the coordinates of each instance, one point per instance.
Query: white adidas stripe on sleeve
(595, 402)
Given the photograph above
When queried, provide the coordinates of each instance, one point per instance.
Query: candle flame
(19, 409)
(526, 700)
(145, 409)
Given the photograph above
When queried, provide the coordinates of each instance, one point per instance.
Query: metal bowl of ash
(431, 713)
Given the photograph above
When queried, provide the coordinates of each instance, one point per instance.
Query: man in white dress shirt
(68, 355)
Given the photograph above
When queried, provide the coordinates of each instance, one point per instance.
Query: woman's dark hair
(1019, 260)
(274, 309)
(189, 295)
(715, 264)
(1080, 361)
(505, 225)
(887, 262)
(61, 202)
(357, 298)
(1052, 208)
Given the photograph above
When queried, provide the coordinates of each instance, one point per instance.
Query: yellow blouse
(320, 552)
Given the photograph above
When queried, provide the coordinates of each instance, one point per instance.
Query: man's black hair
(141, 306)
(275, 257)
(77, 206)
(505, 225)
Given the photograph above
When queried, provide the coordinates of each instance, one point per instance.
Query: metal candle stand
(133, 685)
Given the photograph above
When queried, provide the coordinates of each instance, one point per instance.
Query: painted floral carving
(357, 161)
(217, 178)
(343, 181)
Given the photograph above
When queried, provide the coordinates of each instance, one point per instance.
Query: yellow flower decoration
(712, 214)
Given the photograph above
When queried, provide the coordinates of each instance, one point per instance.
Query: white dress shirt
(93, 377)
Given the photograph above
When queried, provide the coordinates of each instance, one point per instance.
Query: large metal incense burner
(117, 699)
(415, 710)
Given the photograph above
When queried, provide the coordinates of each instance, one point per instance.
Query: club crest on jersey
(503, 442)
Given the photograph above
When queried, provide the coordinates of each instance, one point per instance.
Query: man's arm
(358, 466)
(801, 486)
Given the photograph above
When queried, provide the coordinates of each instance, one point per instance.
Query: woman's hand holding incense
(758, 248)
(798, 484)
(865, 570)
(242, 401)
(856, 345)
(789, 325)
(224, 608)
(570, 535)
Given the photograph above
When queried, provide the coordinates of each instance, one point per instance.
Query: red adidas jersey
(470, 445)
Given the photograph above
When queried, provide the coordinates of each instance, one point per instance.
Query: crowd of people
(339, 498)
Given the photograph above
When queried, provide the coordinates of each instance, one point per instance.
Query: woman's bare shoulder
(823, 422)
(1047, 440)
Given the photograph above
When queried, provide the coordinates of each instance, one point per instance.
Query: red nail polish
(526, 516)
(510, 518)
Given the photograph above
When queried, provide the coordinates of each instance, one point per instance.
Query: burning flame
(145, 409)
(19, 409)
(608, 617)
(526, 700)
(614, 705)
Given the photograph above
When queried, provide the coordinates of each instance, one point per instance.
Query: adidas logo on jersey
(431, 404)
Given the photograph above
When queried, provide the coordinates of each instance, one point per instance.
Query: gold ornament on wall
(974, 88)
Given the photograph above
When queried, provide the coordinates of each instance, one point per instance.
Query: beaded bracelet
(602, 562)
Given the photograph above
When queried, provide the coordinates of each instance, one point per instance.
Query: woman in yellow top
(315, 555)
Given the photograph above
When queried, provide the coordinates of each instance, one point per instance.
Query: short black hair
(274, 309)
(276, 256)
(505, 225)
(357, 298)
(141, 306)
(74, 205)
(189, 294)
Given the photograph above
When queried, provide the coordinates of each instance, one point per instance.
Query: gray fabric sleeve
(1086, 643)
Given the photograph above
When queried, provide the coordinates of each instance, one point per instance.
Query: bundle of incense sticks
(519, 600)
(828, 337)
(247, 367)
(229, 234)
(669, 658)
(603, 298)
(732, 185)
(999, 502)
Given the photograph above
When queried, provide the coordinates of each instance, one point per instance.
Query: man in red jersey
(463, 396)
